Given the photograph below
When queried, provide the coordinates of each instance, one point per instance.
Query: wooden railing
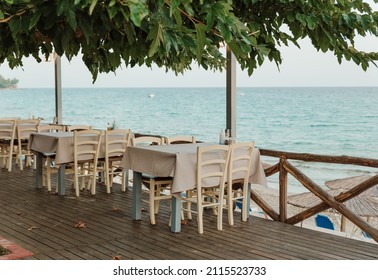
(284, 168)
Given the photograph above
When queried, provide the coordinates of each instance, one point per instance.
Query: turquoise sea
(331, 121)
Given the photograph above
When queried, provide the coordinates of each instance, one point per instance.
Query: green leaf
(93, 5)
(71, 19)
(301, 18)
(1, 15)
(311, 22)
(34, 19)
(156, 35)
(200, 34)
(138, 11)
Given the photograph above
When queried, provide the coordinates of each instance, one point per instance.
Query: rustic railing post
(283, 190)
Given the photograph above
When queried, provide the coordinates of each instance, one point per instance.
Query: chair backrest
(26, 127)
(324, 222)
(7, 130)
(147, 140)
(78, 127)
(87, 145)
(240, 162)
(180, 139)
(212, 162)
(51, 128)
(116, 142)
(365, 234)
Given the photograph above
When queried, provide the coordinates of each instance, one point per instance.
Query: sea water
(327, 121)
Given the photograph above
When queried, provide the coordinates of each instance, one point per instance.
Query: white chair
(24, 129)
(7, 135)
(159, 188)
(116, 142)
(180, 139)
(212, 162)
(86, 150)
(71, 128)
(237, 189)
(48, 159)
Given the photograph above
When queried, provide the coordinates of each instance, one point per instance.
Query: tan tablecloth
(179, 162)
(60, 144)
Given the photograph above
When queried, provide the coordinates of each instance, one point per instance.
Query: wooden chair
(159, 188)
(24, 129)
(211, 175)
(48, 159)
(7, 135)
(180, 139)
(86, 150)
(237, 189)
(116, 142)
(71, 128)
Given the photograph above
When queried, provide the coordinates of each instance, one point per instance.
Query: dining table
(176, 161)
(60, 145)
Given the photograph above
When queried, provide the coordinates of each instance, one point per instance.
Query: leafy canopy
(175, 33)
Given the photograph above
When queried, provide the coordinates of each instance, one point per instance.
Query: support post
(231, 93)
(58, 89)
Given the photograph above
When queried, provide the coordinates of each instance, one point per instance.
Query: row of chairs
(14, 142)
(14, 139)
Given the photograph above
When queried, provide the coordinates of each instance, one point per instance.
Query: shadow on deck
(48, 226)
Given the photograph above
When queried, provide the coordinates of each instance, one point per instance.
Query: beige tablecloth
(61, 144)
(179, 162)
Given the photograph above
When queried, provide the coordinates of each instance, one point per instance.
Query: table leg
(61, 180)
(176, 214)
(38, 175)
(137, 196)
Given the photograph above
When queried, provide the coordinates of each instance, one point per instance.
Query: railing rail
(284, 168)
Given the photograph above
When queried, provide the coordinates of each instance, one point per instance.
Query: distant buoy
(242, 93)
(151, 95)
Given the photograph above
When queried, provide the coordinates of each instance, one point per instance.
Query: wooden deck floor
(45, 225)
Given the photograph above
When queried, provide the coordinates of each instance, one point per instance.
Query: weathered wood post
(283, 191)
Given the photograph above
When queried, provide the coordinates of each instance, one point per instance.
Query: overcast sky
(300, 67)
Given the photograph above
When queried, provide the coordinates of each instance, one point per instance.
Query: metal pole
(58, 89)
(231, 93)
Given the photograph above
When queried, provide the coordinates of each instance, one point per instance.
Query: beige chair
(86, 150)
(212, 162)
(51, 127)
(71, 128)
(180, 139)
(116, 142)
(159, 188)
(7, 135)
(48, 159)
(24, 129)
(237, 189)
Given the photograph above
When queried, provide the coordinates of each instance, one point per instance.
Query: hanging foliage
(175, 33)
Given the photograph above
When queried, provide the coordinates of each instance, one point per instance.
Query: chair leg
(20, 161)
(230, 196)
(108, 180)
(124, 179)
(76, 183)
(9, 160)
(220, 212)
